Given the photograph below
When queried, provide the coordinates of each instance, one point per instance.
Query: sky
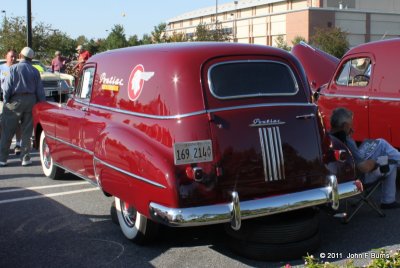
(96, 18)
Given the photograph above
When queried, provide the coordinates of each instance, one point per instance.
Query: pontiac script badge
(269, 122)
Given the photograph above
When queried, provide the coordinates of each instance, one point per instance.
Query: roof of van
(375, 45)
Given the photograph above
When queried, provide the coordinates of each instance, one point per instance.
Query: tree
(45, 40)
(13, 34)
(134, 41)
(177, 37)
(81, 40)
(146, 39)
(158, 34)
(281, 43)
(116, 38)
(331, 40)
(205, 33)
(297, 39)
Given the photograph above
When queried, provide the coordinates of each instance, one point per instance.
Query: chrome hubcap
(128, 213)
(46, 155)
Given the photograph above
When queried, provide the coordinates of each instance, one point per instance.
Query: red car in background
(365, 81)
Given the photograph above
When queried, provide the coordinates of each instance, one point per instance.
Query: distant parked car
(55, 84)
(366, 81)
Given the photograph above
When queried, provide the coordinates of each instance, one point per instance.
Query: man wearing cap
(84, 55)
(22, 90)
(58, 63)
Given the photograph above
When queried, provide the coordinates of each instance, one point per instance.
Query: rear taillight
(195, 173)
(340, 155)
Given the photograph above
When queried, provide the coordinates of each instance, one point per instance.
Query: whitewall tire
(49, 169)
(134, 225)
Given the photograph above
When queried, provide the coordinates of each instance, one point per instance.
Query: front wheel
(134, 225)
(49, 169)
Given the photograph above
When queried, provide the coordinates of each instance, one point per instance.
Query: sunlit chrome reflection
(175, 79)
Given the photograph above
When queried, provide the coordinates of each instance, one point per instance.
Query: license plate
(193, 152)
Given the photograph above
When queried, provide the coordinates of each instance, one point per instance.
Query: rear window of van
(238, 79)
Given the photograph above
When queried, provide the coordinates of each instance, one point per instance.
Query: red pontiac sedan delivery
(194, 134)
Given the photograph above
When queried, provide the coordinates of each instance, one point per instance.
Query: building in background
(262, 21)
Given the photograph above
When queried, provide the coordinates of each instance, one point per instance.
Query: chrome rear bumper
(235, 211)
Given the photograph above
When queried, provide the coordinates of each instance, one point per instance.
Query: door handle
(84, 109)
(305, 116)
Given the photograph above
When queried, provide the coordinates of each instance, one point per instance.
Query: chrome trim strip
(305, 116)
(272, 153)
(267, 124)
(283, 104)
(264, 157)
(221, 213)
(384, 99)
(296, 85)
(360, 97)
(77, 174)
(282, 167)
(106, 164)
(272, 148)
(345, 96)
(130, 174)
(70, 144)
(179, 116)
(268, 154)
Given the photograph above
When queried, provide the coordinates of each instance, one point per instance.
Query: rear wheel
(134, 225)
(49, 169)
(283, 236)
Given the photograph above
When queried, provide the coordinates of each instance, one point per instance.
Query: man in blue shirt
(368, 156)
(11, 58)
(22, 90)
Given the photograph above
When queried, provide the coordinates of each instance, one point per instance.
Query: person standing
(84, 55)
(58, 63)
(22, 89)
(11, 58)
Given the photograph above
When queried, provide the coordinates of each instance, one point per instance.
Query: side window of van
(355, 72)
(84, 89)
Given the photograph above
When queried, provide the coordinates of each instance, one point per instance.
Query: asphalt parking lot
(66, 223)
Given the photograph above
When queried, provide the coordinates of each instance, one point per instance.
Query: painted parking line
(43, 187)
(47, 195)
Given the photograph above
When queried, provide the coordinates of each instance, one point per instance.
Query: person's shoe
(17, 150)
(392, 205)
(3, 164)
(26, 161)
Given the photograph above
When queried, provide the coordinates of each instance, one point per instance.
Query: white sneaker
(26, 161)
(3, 164)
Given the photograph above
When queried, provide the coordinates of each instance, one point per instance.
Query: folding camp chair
(366, 197)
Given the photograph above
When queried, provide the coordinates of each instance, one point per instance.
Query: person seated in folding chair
(369, 156)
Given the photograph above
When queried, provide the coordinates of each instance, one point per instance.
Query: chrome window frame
(296, 85)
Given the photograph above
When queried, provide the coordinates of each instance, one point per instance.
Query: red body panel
(146, 100)
(376, 104)
(319, 65)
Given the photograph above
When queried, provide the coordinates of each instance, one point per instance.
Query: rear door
(264, 127)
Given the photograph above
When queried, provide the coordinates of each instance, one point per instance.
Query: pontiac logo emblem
(136, 80)
(269, 122)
